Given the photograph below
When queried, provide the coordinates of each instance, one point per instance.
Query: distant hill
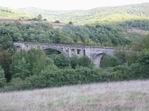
(102, 15)
(11, 13)
(106, 14)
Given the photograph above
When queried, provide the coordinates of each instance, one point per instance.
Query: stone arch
(59, 50)
(97, 59)
(50, 51)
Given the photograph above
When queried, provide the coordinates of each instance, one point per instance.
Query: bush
(85, 62)
(52, 78)
(28, 63)
(16, 84)
(121, 73)
(60, 60)
(109, 61)
(1, 73)
(80, 62)
(2, 77)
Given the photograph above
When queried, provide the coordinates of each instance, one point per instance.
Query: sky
(66, 4)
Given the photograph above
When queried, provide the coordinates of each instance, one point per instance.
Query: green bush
(121, 73)
(1, 73)
(16, 84)
(51, 78)
(2, 77)
(76, 62)
(85, 62)
(60, 60)
(109, 61)
(28, 63)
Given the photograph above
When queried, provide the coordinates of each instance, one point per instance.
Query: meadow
(113, 96)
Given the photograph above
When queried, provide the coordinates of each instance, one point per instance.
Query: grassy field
(115, 96)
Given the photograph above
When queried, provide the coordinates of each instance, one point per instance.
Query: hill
(106, 14)
(130, 21)
(11, 13)
(97, 15)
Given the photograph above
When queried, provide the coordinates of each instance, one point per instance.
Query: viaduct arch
(94, 53)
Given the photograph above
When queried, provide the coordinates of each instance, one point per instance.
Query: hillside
(11, 13)
(107, 14)
(131, 20)
(104, 15)
(117, 96)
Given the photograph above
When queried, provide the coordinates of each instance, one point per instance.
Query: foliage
(2, 77)
(60, 60)
(142, 44)
(5, 60)
(25, 64)
(36, 69)
(85, 62)
(1, 73)
(104, 35)
(109, 61)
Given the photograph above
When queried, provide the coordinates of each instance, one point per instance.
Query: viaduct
(94, 53)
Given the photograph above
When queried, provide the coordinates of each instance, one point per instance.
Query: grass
(115, 96)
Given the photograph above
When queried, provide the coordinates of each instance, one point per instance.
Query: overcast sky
(66, 4)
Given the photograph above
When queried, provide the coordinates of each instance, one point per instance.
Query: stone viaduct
(94, 53)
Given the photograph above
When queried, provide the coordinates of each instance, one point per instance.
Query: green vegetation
(38, 69)
(103, 35)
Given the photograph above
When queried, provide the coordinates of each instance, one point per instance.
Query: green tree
(2, 76)
(39, 17)
(5, 61)
(32, 62)
(85, 62)
(60, 60)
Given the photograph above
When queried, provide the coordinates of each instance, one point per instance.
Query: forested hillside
(102, 35)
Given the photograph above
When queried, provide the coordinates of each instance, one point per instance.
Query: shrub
(1, 73)
(121, 73)
(67, 76)
(16, 84)
(28, 63)
(109, 61)
(2, 77)
(85, 62)
(60, 60)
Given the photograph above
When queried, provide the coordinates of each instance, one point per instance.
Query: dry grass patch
(115, 96)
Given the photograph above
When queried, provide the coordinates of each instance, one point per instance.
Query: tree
(6, 40)
(70, 23)
(143, 43)
(2, 76)
(84, 62)
(57, 21)
(5, 61)
(39, 17)
(6, 48)
(60, 60)
(28, 63)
